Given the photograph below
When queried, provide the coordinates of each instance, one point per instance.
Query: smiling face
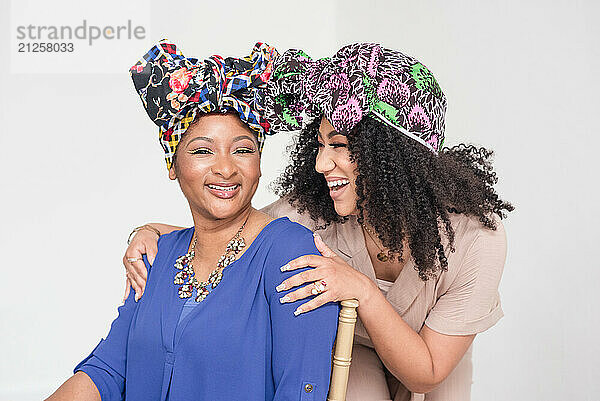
(218, 166)
(333, 161)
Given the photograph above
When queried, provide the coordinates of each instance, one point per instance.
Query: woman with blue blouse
(211, 325)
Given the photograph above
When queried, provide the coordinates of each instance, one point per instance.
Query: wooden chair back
(342, 354)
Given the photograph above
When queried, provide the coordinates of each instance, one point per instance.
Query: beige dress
(461, 301)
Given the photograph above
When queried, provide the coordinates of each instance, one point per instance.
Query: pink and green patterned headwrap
(362, 79)
(174, 89)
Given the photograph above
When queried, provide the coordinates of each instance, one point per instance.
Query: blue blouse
(240, 343)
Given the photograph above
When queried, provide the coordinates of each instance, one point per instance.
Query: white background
(81, 166)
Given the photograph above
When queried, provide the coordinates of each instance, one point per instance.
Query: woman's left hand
(331, 278)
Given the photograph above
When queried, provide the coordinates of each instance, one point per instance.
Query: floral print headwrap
(174, 89)
(360, 79)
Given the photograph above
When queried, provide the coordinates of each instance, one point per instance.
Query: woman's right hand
(144, 242)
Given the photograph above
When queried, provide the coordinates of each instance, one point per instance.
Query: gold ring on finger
(319, 287)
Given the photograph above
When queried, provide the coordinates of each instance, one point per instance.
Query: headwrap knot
(175, 89)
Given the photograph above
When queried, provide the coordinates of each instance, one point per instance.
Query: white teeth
(220, 188)
(337, 183)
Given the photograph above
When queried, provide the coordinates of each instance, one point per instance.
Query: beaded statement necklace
(184, 264)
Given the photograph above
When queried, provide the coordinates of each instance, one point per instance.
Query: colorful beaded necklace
(184, 264)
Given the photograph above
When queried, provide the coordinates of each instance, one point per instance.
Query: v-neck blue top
(188, 306)
(240, 343)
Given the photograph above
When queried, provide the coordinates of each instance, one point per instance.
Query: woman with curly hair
(407, 227)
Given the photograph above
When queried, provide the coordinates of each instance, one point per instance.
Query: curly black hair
(406, 191)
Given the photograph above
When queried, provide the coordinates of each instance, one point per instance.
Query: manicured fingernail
(297, 311)
(285, 267)
(280, 287)
(284, 299)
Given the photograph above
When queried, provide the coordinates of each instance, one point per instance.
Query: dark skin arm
(78, 387)
(143, 243)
